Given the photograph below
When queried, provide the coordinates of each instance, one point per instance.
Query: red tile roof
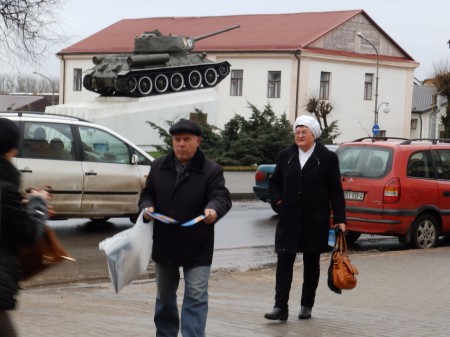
(259, 32)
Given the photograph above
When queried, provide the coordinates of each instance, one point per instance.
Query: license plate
(350, 195)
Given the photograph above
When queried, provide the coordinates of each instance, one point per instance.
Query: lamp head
(360, 35)
(387, 109)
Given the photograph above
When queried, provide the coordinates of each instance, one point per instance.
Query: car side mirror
(134, 159)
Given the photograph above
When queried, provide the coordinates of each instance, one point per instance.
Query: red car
(398, 187)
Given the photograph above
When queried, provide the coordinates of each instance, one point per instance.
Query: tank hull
(140, 75)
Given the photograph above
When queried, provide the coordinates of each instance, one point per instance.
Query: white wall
(254, 89)
(355, 115)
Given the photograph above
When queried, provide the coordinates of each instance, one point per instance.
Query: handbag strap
(341, 243)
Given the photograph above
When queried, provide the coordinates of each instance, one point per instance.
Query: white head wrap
(309, 122)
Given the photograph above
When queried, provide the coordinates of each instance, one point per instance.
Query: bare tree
(441, 79)
(29, 84)
(321, 109)
(27, 29)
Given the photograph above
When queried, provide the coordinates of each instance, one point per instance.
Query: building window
(368, 85)
(324, 85)
(274, 84)
(237, 78)
(77, 79)
(414, 123)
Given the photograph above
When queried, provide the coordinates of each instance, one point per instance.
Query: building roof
(259, 32)
(18, 102)
(423, 98)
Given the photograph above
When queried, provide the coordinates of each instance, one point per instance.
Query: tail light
(260, 176)
(391, 193)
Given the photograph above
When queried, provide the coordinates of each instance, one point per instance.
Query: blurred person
(21, 222)
(305, 187)
(183, 185)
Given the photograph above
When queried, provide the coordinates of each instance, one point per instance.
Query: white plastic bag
(128, 253)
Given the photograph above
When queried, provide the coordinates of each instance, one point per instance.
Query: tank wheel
(195, 79)
(161, 83)
(224, 70)
(176, 82)
(211, 76)
(87, 82)
(425, 232)
(145, 85)
(131, 83)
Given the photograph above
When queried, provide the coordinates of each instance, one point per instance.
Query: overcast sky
(420, 27)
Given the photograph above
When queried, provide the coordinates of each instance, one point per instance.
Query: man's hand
(147, 210)
(210, 216)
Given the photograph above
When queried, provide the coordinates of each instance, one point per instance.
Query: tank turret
(160, 64)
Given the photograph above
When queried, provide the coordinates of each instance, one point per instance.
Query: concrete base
(128, 115)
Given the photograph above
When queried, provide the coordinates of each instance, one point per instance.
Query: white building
(427, 110)
(280, 59)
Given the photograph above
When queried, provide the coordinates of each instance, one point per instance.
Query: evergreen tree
(242, 142)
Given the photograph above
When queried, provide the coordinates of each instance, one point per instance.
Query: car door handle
(26, 170)
(91, 173)
(446, 193)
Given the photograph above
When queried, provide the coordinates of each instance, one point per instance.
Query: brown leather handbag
(45, 252)
(344, 272)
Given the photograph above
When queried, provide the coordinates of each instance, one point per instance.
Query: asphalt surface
(401, 293)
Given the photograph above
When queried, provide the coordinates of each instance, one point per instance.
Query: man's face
(304, 138)
(185, 145)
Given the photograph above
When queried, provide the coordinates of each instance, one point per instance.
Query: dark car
(262, 175)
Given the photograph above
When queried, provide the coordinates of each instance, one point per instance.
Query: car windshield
(364, 161)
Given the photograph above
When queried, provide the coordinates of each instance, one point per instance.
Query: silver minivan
(94, 172)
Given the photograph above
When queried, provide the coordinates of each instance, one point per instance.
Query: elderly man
(184, 185)
(305, 187)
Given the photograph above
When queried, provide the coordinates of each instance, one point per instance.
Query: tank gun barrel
(201, 37)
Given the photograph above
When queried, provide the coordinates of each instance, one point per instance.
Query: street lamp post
(376, 78)
(51, 82)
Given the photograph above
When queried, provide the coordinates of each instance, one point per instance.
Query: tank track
(159, 80)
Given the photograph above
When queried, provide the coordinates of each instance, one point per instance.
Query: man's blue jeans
(195, 302)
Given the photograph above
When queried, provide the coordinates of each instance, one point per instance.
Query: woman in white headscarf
(305, 187)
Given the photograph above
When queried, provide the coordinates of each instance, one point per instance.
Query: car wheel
(425, 232)
(351, 237)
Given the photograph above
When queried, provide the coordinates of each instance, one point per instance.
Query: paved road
(399, 294)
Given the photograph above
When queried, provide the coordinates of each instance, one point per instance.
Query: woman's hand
(341, 227)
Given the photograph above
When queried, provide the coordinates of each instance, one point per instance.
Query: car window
(141, 159)
(101, 146)
(48, 141)
(420, 165)
(442, 161)
(364, 161)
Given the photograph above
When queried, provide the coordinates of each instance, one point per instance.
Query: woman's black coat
(201, 186)
(307, 198)
(19, 225)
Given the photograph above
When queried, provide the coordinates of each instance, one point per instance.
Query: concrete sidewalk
(402, 293)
